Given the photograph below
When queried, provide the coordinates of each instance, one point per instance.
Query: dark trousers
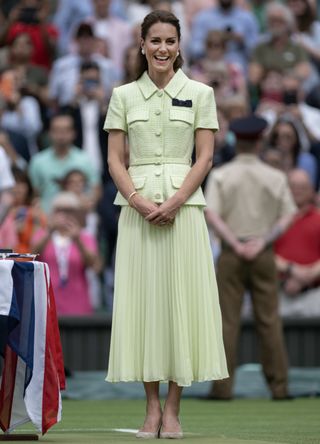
(234, 276)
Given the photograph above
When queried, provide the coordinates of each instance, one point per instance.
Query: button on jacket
(161, 132)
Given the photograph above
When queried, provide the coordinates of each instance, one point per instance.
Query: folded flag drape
(33, 373)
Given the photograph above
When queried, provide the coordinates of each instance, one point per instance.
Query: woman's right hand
(142, 205)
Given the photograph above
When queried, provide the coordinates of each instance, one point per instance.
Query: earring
(142, 51)
(178, 53)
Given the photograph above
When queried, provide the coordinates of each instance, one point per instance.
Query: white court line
(133, 431)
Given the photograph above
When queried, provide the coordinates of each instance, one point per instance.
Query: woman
(308, 28)
(166, 319)
(69, 252)
(215, 55)
(26, 214)
(289, 137)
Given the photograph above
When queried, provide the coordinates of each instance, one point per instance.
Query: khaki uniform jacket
(161, 125)
(249, 195)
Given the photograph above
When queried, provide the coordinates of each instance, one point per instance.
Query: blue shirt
(70, 13)
(308, 163)
(240, 21)
(65, 75)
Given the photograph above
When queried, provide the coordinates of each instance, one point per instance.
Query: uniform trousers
(259, 277)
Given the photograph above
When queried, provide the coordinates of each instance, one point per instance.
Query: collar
(148, 88)
(247, 157)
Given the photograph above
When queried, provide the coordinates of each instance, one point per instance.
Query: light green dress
(166, 317)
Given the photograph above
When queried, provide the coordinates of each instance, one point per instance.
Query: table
(33, 371)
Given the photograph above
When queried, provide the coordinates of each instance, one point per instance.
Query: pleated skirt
(166, 322)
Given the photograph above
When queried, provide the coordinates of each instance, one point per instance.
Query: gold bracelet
(131, 195)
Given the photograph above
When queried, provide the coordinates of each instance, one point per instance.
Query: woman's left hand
(165, 213)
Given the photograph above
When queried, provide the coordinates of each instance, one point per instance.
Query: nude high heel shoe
(170, 435)
(148, 435)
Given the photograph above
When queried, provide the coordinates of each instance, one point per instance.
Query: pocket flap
(183, 114)
(138, 181)
(136, 115)
(177, 181)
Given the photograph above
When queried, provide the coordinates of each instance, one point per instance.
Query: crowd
(59, 61)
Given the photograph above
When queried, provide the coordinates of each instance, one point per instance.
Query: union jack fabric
(33, 373)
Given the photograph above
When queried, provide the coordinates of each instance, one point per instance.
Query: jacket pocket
(176, 181)
(139, 115)
(196, 198)
(182, 115)
(138, 181)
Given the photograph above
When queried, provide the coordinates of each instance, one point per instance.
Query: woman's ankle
(154, 408)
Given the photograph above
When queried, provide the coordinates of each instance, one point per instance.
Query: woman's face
(285, 137)
(20, 193)
(161, 47)
(215, 48)
(62, 216)
(22, 47)
(76, 183)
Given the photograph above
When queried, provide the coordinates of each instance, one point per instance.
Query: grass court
(252, 421)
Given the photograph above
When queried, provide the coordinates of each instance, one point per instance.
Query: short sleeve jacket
(161, 125)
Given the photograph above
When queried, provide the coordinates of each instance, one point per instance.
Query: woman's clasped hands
(161, 215)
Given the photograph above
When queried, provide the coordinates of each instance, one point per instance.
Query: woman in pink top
(69, 252)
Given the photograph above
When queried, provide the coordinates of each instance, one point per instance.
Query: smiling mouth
(161, 59)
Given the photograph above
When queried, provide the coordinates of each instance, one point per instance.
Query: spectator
(69, 252)
(287, 137)
(7, 233)
(76, 182)
(192, 8)
(217, 75)
(270, 96)
(54, 162)
(235, 106)
(15, 146)
(34, 78)
(115, 31)
(71, 13)
(240, 25)
(307, 34)
(258, 7)
(26, 215)
(88, 110)
(21, 113)
(298, 253)
(273, 157)
(30, 16)
(285, 95)
(66, 70)
(278, 52)
(215, 52)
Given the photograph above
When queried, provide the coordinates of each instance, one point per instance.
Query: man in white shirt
(65, 73)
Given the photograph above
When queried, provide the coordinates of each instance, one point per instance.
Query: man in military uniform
(249, 206)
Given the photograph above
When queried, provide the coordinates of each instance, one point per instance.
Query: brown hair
(305, 20)
(149, 20)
